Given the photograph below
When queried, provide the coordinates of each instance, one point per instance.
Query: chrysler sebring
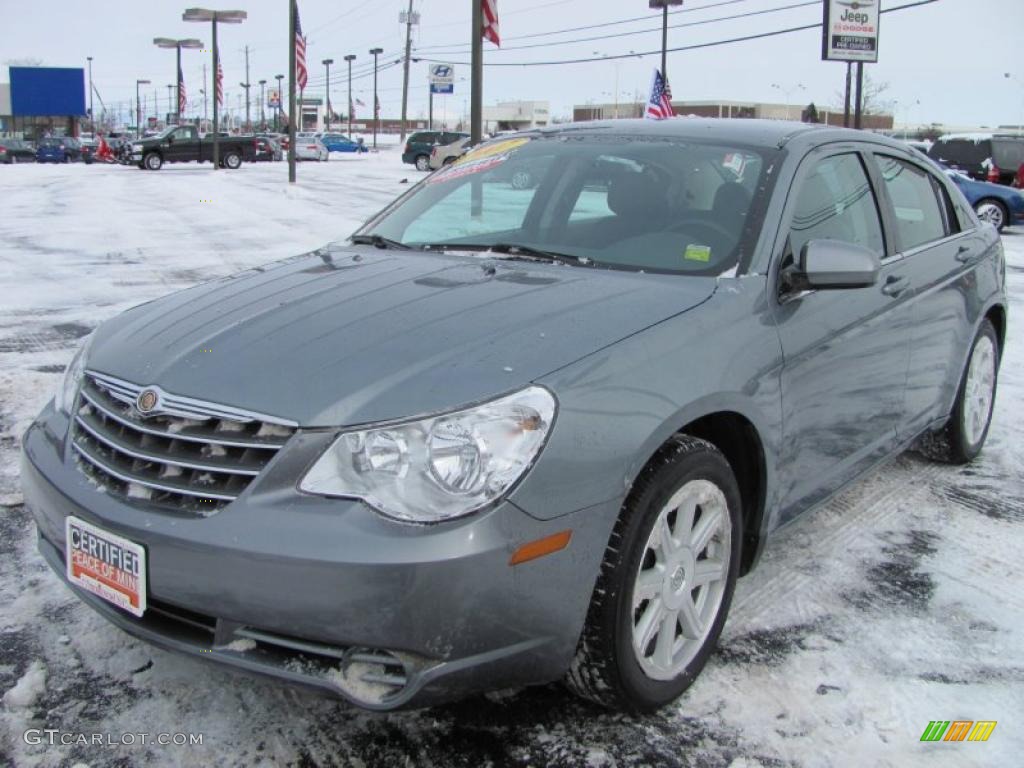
(508, 434)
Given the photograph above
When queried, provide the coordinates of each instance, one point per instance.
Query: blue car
(52, 151)
(339, 142)
(994, 203)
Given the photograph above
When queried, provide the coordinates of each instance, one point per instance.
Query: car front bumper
(315, 588)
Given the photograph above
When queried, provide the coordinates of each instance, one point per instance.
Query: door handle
(895, 285)
(964, 255)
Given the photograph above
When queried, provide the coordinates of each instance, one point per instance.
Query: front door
(845, 351)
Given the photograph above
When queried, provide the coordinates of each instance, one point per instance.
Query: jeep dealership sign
(850, 31)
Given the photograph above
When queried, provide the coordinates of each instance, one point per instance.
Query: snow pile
(28, 689)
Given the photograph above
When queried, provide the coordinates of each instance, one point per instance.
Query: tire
(522, 180)
(422, 163)
(153, 161)
(962, 438)
(993, 211)
(232, 161)
(609, 669)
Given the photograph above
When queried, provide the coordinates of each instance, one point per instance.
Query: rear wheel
(422, 163)
(232, 160)
(153, 161)
(666, 582)
(992, 211)
(963, 437)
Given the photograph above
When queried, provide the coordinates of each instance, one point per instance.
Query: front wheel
(153, 161)
(993, 212)
(232, 161)
(963, 437)
(666, 582)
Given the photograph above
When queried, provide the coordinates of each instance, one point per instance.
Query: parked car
(309, 147)
(339, 142)
(87, 149)
(420, 144)
(1000, 206)
(410, 473)
(446, 154)
(53, 150)
(16, 151)
(268, 149)
(982, 156)
(182, 144)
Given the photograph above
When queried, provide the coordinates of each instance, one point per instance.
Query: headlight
(438, 468)
(136, 147)
(64, 398)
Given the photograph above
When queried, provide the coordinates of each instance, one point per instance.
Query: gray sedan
(509, 434)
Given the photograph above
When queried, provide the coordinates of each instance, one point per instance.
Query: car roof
(765, 133)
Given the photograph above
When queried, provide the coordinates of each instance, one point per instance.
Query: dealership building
(41, 101)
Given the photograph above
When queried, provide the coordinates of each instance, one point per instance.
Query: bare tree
(873, 98)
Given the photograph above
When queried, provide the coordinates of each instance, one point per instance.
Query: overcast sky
(944, 62)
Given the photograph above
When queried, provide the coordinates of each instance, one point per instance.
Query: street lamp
(138, 108)
(327, 63)
(376, 108)
(787, 92)
(280, 101)
(92, 117)
(224, 17)
(350, 58)
(177, 45)
(170, 104)
(664, 4)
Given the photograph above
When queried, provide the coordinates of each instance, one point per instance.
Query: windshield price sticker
(107, 565)
(478, 160)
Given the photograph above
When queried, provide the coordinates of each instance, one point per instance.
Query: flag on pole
(182, 94)
(219, 83)
(301, 73)
(490, 30)
(659, 105)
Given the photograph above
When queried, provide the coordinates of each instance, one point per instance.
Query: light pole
(138, 108)
(327, 63)
(224, 17)
(787, 92)
(376, 104)
(170, 105)
(263, 111)
(350, 58)
(664, 4)
(92, 117)
(280, 101)
(177, 45)
(246, 86)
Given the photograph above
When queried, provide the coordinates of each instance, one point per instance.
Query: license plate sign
(105, 564)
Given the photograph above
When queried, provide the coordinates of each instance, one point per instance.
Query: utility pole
(405, 80)
(350, 58)
(280, 101)
(292, 13)
(263, 101)
(477, 67)
(327, 64)
(170, 104)
(248, 122)
(376, 104)
(92, 115)
(206, 117)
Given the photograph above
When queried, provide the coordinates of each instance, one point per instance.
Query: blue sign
(47, 92)
(438, 88)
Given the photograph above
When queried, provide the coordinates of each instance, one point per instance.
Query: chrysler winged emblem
(147, 401)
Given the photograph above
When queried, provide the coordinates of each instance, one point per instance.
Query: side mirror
(834, 264)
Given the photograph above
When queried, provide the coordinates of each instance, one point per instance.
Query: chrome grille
(190, 456)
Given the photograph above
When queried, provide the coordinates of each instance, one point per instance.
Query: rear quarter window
(1008, 154)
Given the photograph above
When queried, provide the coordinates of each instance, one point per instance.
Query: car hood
(354, 335)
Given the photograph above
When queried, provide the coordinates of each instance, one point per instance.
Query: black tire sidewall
(644, 693)
(966, 450)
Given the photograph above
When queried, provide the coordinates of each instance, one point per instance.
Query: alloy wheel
(979, 390)
(992, 213)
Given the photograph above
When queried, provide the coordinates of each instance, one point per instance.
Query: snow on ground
(898, 603)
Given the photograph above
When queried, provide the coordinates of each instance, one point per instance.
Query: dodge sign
(850, 31)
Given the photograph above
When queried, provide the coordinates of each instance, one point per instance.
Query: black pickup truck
(182, 144)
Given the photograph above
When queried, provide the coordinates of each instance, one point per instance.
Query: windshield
(624, 202)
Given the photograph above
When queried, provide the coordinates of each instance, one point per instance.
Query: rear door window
(915, 200)
(1008, 154)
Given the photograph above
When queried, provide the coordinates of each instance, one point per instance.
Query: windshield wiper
(379, 241)
(516, 250)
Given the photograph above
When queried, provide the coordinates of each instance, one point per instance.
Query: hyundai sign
(850, 30)
(47, 92)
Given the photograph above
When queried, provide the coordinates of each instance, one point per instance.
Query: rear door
(845, 351)
(940, 249)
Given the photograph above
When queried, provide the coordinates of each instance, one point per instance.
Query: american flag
(659, 105)
(182, 94)
(219, 83)
(490, 30)
(301, 73)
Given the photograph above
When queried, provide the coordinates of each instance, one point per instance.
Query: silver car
(503, 435)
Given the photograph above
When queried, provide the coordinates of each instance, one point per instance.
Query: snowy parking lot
(899, 602)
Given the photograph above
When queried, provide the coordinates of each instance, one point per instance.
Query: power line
(744, 38)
